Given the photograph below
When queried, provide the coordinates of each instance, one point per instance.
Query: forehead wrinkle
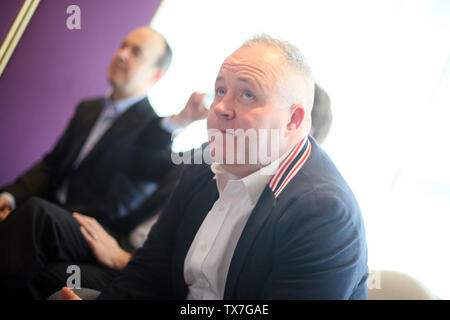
(247, 73)
(243, 66)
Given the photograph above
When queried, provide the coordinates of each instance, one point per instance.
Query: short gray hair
(165, 59)
(296, 60)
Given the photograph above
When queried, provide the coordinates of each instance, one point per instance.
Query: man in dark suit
(247, 226)
(94, 168)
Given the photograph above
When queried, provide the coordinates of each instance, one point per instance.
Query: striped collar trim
(290, 166)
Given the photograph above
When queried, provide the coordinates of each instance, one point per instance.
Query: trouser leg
(34, 235)
(55, 276)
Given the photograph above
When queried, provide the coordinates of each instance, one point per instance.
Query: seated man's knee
(33, 203)
(34, 208)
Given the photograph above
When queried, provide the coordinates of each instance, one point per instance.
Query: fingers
(106, 249)
(199, 110)
(199, 100)
(198, 97)
(4, 204)
(90, 228)
(67, 294)
(195, 109)
(4, 214)
(89, 223)
(91, 239)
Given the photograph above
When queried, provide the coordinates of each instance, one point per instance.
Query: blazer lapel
(126, 123)
(198, 209)
(86, 124)
(260, 213)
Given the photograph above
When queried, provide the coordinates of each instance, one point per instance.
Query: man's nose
(123, 54)
(224, 110)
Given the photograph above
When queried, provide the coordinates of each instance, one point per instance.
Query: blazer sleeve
(149, 164)
(42, 178)
(151, 151)
(126, 192)
(320, 252)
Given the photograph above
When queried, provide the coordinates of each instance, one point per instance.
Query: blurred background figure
(93, 170)
(321, 115)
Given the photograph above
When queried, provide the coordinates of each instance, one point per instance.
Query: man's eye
(248, 95)
(220, 92)
(136, 52)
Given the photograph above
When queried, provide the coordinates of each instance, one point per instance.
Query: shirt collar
(120, 106)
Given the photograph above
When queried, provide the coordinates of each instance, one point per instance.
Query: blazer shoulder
(319, 177)
(319, 189)
(194, 176)
(88, 105)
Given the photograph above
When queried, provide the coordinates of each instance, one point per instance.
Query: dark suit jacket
(108, 183)
(306, 243)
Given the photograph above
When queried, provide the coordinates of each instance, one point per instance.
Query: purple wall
(53, 68)
(8, 12)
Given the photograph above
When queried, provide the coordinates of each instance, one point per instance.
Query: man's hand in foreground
(104, 247)
(67, 294)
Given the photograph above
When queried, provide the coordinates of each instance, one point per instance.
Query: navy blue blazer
(109, 183)
(305, 238)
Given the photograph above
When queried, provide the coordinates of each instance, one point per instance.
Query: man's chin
(117, 80)
(117, 86)
(229, 157)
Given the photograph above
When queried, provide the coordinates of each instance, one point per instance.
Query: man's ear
(158, 75)
(297, 112)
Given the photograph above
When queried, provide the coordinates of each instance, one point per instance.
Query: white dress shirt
(208, 260)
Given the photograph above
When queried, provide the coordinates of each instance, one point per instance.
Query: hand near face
(194, 110)
(104, 247)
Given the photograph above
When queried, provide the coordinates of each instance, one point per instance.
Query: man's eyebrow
(245, 80)
(132, 45)
(250, 81)
(242, 79)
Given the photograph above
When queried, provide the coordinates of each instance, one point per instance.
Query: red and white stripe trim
(293, 162)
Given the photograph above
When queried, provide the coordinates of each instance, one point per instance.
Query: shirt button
(203, 247)
(221, 208)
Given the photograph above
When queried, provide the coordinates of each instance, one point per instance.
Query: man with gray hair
(290, 229)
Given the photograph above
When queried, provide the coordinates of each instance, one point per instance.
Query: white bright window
(386, 68)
